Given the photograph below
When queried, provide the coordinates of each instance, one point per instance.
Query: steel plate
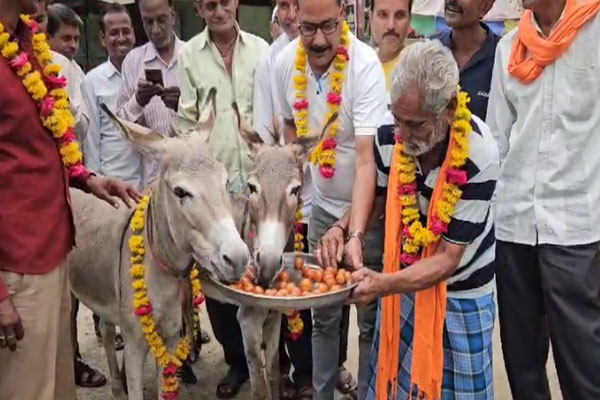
(219, 291)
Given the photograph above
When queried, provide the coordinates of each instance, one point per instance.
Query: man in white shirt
(63, 30)
(352, 178)
(106, 151)
(545, 114)
(390, 21)
(152, 104)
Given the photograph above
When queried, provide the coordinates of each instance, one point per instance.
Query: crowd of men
(525, 229)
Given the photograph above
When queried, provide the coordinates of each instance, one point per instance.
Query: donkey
(189, 220)
(274, 187)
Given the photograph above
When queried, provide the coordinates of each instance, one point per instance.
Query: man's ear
(451, 109)
(485, 7)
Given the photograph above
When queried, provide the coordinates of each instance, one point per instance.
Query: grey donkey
(189, 220)
(274, 187)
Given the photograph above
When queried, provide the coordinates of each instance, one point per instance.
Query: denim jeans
(326, 321)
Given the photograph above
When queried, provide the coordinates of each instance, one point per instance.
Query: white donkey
(274, 187)
(189, 220)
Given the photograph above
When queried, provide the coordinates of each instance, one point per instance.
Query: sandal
(229, 386)
(304, 393)
(88, 377)
(345, 382)
(186, 374)
(286, 388)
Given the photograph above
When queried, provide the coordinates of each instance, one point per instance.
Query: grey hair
(60, 14)
(429, 67)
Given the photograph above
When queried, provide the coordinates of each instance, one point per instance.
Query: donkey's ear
(145, 140)
(206, 120)
(303, 146)
(251, 138)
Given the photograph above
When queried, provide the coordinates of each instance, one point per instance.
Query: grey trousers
(550, 293)
(326, 321)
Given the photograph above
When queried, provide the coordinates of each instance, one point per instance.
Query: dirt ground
(211, 368)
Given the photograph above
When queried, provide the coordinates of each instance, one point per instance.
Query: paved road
(210, 368)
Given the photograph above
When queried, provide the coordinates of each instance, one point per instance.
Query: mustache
(319, 49)
(392, 33)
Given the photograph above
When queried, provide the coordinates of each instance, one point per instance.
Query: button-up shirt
(476, 74)
(106, 150)
(36, 224)
(363, 105)
(548, 133)
(201, 68)
(155, 115)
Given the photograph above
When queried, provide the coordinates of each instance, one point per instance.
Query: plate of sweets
(301, 284)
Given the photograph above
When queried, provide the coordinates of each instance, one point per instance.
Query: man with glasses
(223, 56)
(360, 94)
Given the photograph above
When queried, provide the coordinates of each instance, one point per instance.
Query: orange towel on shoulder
(531, 53)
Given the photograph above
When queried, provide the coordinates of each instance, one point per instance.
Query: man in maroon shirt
(37, 233)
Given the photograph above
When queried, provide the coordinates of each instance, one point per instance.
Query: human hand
(330, 248)
(371, 285)
(353, 254)
(170, 96)
(146, 91)
(11, 328)
(105, 189)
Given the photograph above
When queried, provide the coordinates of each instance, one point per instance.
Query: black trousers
(550, 293)
(223, 319)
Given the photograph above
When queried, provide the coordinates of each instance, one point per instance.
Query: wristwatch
(358, 234)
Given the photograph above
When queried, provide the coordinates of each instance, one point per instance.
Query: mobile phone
(154, 76)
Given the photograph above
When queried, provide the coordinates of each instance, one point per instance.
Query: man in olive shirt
(228, 58)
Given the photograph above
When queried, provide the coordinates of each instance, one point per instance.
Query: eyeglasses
(327, 28)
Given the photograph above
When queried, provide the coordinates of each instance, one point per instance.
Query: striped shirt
(473, 222)
(156, 115)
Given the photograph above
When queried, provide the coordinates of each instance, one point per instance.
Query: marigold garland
(324, 153)
(143, 306)
(47, 90)
(416, 236)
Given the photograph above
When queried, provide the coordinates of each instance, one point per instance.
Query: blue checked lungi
(467, 350)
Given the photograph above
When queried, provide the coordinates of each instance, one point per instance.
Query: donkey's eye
(181, 193)
(252, 188)
(295, 190)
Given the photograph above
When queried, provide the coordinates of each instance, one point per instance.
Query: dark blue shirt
(476, 75)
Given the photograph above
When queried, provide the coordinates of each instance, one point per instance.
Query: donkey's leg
(271, 332)
(108, 332)
(135, 353)
(251, 322)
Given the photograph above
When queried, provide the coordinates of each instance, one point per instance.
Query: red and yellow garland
(143, 307)
(324, 153)
(407, 241)
(48, 92)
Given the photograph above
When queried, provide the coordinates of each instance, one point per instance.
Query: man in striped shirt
(424, 98)
(152, 104)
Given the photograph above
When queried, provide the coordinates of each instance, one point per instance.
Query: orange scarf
(531, 53)
(430, 305)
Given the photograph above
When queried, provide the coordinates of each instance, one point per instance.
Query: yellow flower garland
(47, 91)
(416, 236)
(143, 306)
(324, 153)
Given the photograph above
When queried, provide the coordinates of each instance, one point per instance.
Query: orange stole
(542, 52)
(430, 304)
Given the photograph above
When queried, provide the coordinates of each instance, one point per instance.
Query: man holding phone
(150, 92)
